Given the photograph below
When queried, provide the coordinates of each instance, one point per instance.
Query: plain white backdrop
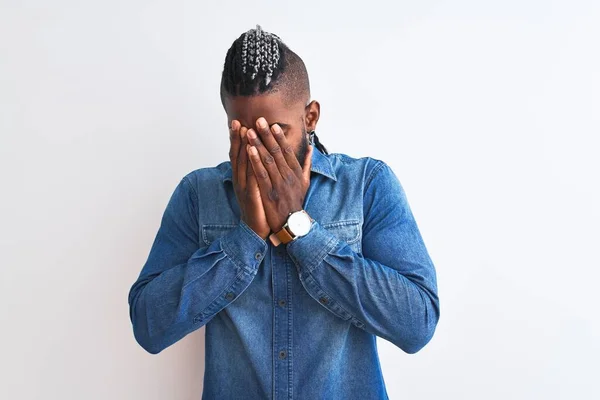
(488, 112)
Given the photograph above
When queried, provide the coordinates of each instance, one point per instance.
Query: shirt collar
(320, 164)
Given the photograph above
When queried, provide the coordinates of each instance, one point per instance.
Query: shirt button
(324, 300)
(282, 303)
(282, 354)
(229, 296)
(257, 256)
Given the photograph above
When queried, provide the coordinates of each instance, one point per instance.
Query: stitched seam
(224, 247)
(187, 181)
(255, 236)
(341, 223)
(350, 222)
(337, 304)
(319, 259)
(195, 201)
(375, 170)
(217, 297)
(206, 227)
(199, 276)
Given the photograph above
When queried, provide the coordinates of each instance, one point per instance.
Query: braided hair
(259, 62)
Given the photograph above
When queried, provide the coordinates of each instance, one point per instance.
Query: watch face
(299, 223)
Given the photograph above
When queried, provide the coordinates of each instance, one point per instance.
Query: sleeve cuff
(245, 248)
(310, 250)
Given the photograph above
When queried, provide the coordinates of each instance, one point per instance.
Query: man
(294, 259)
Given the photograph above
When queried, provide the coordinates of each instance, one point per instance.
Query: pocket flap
(347, 230)
(211, 232)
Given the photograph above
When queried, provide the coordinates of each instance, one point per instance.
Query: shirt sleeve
(182, 286)
(390, 290)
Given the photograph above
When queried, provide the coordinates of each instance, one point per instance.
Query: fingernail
(251, 134)
(253, 151)
(262, 123)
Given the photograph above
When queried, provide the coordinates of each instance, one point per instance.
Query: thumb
(307, 165)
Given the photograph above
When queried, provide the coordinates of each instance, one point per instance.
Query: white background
(487, 111)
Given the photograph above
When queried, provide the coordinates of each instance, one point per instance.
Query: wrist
(298, 224)
(279, 226)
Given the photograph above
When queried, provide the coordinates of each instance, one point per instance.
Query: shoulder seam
(376, 169)
(189, 184)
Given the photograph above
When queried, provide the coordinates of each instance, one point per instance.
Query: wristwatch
(298, 224)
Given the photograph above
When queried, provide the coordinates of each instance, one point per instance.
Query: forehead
(271, 106)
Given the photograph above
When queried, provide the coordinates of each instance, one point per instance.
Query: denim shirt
(297, 321)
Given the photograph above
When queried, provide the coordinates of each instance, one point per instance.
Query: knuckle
(266, 132)
(290, 178)
(263, 174)
(288, 149)
(269, 159)
(275, 149)
(273, 194)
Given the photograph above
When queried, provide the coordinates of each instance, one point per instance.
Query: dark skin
(270, 157)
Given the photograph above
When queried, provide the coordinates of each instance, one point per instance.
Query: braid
(319, 145)
(252, 62)
(260, 62)
(244, 53)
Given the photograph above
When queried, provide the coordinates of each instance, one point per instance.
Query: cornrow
(260, 52)
(260, 62)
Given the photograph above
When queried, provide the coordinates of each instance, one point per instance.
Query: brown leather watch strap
(283, 236)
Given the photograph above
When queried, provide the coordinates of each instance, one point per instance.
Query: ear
(312, 112)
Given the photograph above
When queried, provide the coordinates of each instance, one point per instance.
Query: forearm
(399, 304)
(167, 306)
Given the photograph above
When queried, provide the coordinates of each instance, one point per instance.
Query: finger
(252, 185)
(234, 148)
(272, 146)
(261, 173)
(268, 161)
(307, 165)
(243, 158)
(287, 150)
(249, 170)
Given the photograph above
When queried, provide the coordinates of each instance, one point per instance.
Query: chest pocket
(211, 232)
(348, 230)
